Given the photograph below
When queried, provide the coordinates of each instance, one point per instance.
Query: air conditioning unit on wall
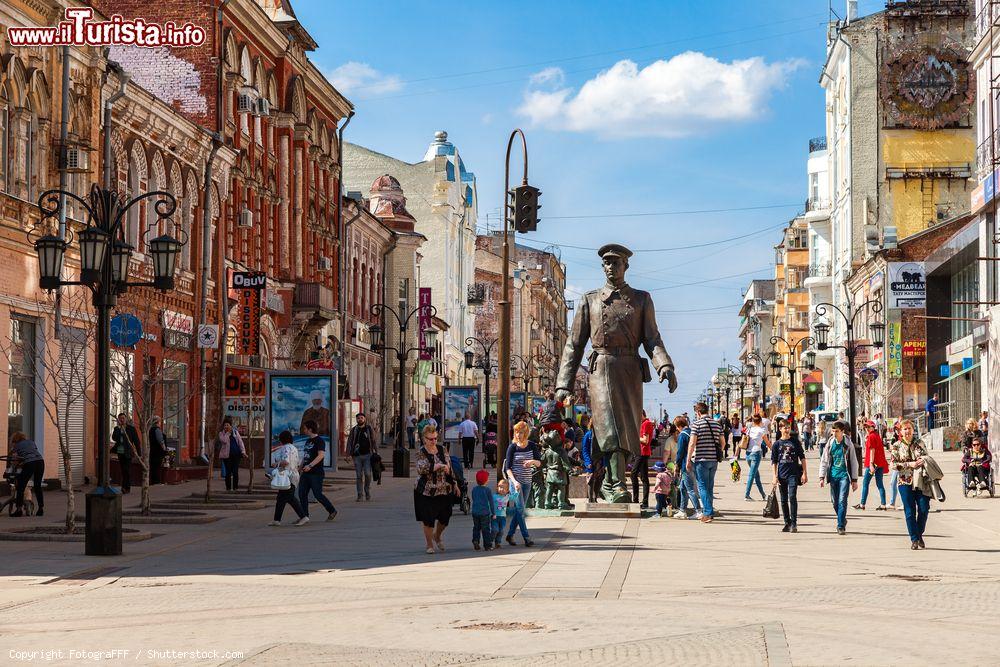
(263, 107)
(245, 103)
(246, 219)
(75, 159)
(324, 264)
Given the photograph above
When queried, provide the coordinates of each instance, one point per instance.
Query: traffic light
(526, 208)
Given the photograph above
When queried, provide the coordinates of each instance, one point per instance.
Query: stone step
(588, 510)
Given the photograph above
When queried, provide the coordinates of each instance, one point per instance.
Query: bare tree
(58, 354)
(878, 395)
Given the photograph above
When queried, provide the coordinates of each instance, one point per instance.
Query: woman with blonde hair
(907, 456)
(522, 459)
(432, 494)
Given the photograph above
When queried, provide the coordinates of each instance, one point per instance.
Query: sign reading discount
(249, 285)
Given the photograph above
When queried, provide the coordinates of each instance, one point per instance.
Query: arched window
(354, 286)
(372, 296)
(364, 289)
(5, 144)
(30, 146)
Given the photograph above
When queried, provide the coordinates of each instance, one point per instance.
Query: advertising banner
(459, 402)
(518, 402)
(907, 285)
(294, 397)
(536, 403)
(424, 319)
(915, 348)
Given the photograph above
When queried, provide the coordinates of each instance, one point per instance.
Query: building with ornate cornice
(49, 392)
(253, 84)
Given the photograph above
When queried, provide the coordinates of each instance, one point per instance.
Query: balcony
(819, 275)
(816, 204)
(987, 154)
(987, 17)
(314, 298)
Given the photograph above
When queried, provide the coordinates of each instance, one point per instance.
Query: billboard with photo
(293, 397)
(458, 402)
(536, 403)
(518, 402)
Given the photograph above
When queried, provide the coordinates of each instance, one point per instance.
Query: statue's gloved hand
(561, 394)
(667, 373)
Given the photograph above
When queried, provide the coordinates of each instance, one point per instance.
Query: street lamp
(401, 456)
(793, 366)
(485, 364)
(527, 366)
(851, 345)
(104, 257)
(755, 359)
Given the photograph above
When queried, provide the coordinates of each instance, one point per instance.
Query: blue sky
(712, 109)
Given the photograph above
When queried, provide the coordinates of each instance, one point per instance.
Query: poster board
(518, 402)
(244, 399)
(459, 401)
(536, 403)
(295, 396)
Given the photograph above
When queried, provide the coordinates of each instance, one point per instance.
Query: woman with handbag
(435, 489)
(285, 477)
(907, 456)
(231, 450)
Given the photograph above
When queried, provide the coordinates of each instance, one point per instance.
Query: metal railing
(824, 270)
(988, 16)
(817, 204)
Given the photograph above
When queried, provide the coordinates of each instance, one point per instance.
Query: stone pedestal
(587, 510)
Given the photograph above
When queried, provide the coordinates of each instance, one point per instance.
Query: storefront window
(21, 381)
(964, 288)
(174, 403)
(122, 383)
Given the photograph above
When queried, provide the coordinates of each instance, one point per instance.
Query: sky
(663, 125)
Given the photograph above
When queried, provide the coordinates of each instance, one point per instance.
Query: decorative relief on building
(927, 87)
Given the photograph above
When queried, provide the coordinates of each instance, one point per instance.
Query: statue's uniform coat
(616, 321)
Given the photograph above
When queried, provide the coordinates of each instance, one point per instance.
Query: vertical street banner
(895, 350)
(424, 321)
(249, 287)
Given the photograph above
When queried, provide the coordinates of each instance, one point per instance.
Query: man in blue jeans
(707, 445)
(311, 477)
(360, 445)
(838, 467)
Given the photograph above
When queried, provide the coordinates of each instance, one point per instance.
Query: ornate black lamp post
(483, 363)
(522, 367)
(850, 346)
(401, 456)
(756, 368)
(792, 367)
(741, 378)
(104, 262)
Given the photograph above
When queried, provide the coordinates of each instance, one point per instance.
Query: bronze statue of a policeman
(616, 319)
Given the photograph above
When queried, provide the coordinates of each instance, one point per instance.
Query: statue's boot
(613, 489)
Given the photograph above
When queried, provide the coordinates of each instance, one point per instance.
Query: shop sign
(895, 350)
(243, 399)
(424, 321)
(362, 336)
(907, 285)
(178, 329)
(915, 348)
(249, 285)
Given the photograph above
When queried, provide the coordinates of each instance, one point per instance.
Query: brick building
(253, 85)
(152, 148)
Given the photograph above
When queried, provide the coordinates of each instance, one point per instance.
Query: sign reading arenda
(907, 285)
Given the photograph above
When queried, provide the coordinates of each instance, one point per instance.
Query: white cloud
(552, 76)
(687, 94)
(353, 76)
(487, 118)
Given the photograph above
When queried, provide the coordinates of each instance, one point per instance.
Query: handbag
(281, 479)
(771, 510)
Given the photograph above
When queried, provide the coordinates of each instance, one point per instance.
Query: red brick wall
(183, 77)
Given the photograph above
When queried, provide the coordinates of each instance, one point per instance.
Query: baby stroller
(966, 483)
(463, 487)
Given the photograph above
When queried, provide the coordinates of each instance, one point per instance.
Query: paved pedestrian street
(361, 590)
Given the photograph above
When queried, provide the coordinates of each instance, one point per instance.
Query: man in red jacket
(640, 468)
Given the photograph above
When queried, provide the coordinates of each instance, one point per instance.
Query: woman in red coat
(875, 466)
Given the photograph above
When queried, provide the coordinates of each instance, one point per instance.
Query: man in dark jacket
(126, 444)
(360, 445)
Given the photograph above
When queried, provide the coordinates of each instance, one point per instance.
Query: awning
(958, 374)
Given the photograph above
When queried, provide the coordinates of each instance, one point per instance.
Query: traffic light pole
(503, 398)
